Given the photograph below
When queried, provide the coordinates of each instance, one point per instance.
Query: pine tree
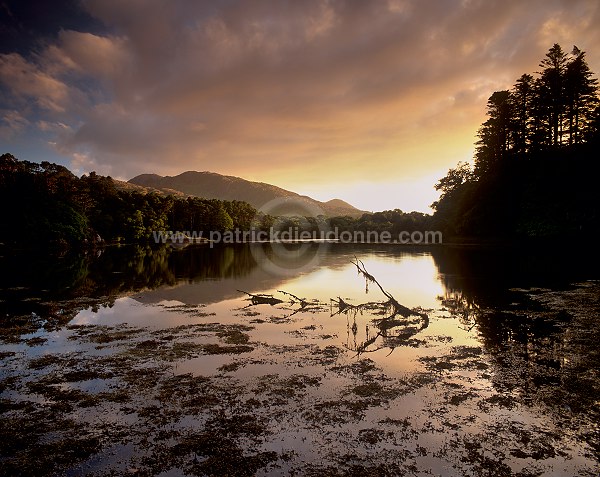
(523, 97)
(551, 88)
(580, 95)
(495, 134)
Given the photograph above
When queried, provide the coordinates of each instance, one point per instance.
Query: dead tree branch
(262, 299)
(398, 308)
(302, 301)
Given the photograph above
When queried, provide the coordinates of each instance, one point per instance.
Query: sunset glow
(370, 102)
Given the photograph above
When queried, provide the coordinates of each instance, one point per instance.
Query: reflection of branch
(395, 326)
(405, 328)
(362, 347)
(399, 309)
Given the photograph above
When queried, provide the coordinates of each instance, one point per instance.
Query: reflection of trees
(478, 286)
(59, 287)
(462, 306)
(202, 262)
(542, 344)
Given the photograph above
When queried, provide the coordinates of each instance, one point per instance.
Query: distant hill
(211, 185)
(131, 187)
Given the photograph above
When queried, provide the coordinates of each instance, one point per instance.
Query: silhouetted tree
(580, 96)
(495, 134)
(551, 90)
(550, 125)
(523, 95)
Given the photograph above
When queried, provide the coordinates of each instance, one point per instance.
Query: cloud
(87, 54)
(26, 81)
(290, 92)
(12, 123)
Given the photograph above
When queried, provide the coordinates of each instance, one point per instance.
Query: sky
(367, 101)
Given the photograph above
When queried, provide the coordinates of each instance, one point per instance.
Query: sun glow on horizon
(308, 97)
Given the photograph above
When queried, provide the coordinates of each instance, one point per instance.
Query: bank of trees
(534, 159)
(45, 204)
(557, 108)
(392, 221)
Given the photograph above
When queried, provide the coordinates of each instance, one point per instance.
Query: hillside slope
(259, 194)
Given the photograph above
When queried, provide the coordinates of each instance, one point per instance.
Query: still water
(282, 359)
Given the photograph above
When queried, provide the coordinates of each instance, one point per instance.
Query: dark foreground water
(284, 360)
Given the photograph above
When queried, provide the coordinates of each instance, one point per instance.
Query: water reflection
(114, 271)
(397, 325)
(469, 282)
(484, 287)
(484, 275)
(386, 333)
(539, 329)
(535, 345)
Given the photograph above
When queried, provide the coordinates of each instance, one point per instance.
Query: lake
(301, 359)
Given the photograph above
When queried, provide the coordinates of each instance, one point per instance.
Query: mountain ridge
(212, 185)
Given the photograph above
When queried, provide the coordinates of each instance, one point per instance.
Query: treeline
(535, 159)
(392, 221)
(47, 205)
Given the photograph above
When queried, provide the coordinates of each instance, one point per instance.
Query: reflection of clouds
(100, 315)
(408, 276)
(132, 312)
(411, 279)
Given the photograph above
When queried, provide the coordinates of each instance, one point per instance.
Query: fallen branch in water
(398, 308)
(262, 299)
(265, 299)
(396, 326)
(341, 304)
(394, 331)
(302, 301)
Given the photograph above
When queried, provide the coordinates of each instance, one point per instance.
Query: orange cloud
(296, 93)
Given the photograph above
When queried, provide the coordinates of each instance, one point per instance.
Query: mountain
(269, 198)
(131, 187)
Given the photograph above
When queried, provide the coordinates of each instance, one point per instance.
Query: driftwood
(397, 326)
(302, 301)
(398, 308)
(262, 299)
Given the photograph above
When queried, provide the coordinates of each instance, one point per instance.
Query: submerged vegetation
(475, 386)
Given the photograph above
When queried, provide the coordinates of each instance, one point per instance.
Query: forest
(48, 206)
(535, 160)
